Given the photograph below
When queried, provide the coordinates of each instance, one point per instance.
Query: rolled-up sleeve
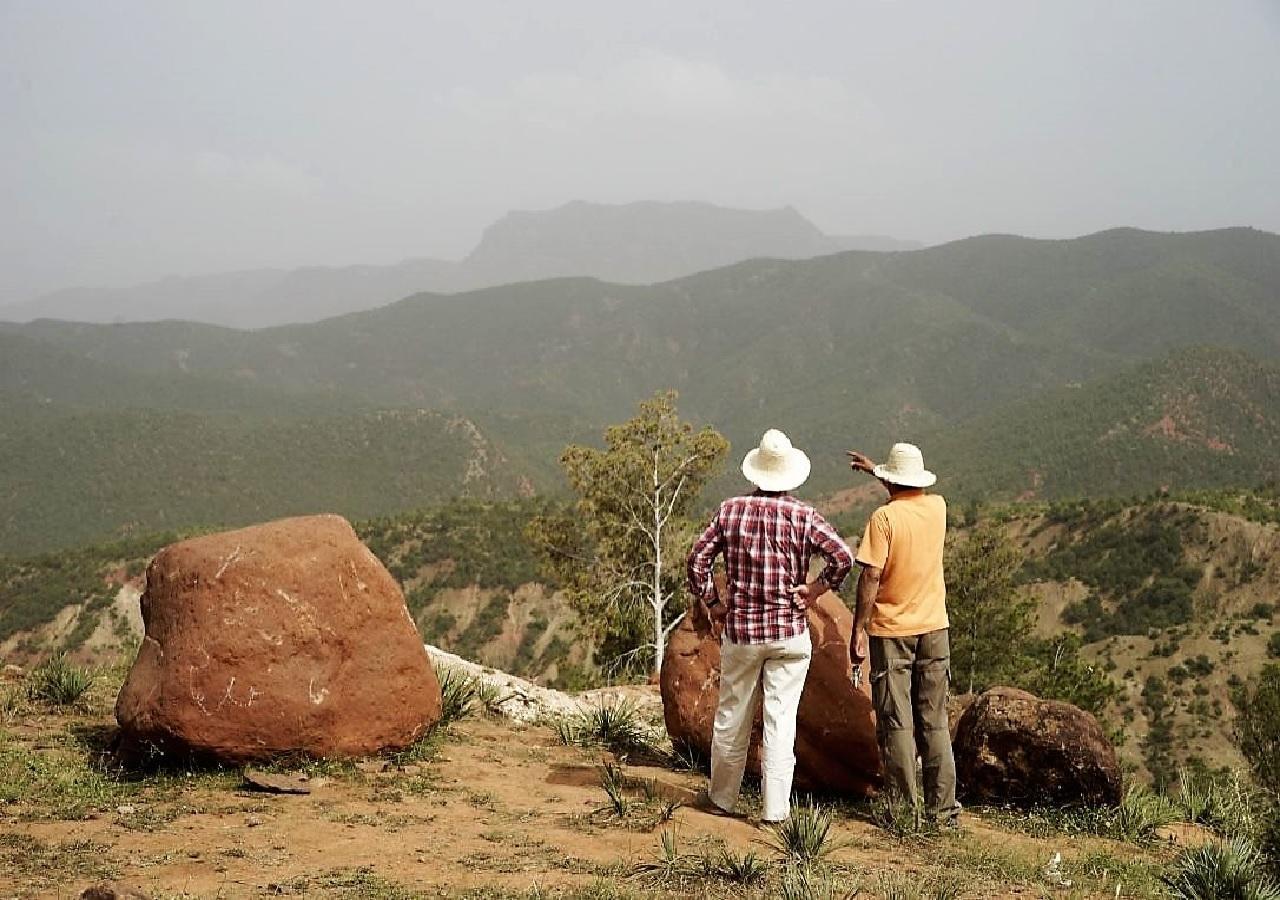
(701, 558)
(825, 540)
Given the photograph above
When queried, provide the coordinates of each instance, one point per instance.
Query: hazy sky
(147, 139)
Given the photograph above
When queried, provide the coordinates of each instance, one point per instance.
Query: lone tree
(990, 622)
(993, 632)
(620, 550)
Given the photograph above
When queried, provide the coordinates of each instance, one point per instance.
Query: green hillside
(1196, 418)
(72, 476)
(969, 348)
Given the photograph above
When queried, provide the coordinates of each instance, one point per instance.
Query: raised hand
(860, 462)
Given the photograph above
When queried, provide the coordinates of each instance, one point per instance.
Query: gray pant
(909, 678)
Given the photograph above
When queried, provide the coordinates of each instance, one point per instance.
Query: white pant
(781, 666)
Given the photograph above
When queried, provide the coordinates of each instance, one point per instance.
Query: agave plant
(805, 836)
(1231, 870)
(58, 682)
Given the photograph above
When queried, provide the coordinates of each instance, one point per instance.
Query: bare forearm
(868, 588)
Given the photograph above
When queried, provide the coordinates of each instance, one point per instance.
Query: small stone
(252, 822)
(411, 770)
(125, 810)
(276, 784)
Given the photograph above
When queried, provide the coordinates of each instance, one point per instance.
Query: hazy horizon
(148, 140)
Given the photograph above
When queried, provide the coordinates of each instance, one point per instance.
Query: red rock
(836, 748)
(1014, 748)
(289, 637)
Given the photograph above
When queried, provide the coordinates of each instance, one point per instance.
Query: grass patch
(44, 865)
(362, 882)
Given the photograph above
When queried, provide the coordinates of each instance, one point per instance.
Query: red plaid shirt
(767, 542)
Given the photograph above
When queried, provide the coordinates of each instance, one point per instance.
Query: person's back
(767, 539)
(902, 607)
(904, 539)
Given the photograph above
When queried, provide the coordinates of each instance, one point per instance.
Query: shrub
(1269, 841)
(1258, 727)
(58, 682)
(1222, 871)
(1273, 645)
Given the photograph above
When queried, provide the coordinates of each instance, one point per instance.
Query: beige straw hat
(905, 466)
(776, 465)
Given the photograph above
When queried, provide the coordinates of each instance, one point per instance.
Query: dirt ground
(489, 809)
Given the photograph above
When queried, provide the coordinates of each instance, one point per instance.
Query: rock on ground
(836, 748)
(515, 698)
(520, 700)
(288, 637)
(1014, 748)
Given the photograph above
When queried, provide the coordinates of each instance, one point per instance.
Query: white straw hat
(776, 465)
(905, 466)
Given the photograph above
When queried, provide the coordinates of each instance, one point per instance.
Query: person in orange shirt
(902, 606)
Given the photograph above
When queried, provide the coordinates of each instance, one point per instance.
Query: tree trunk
(659, 633)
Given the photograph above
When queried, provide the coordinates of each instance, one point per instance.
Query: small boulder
(836, 748)
(289, 637)
(1012, 748)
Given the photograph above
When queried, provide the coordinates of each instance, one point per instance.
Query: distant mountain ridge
(970, 349)
(634, 243)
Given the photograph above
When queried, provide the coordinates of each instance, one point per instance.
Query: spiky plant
(614, 782)
(746, 869)
(619, 726)
(458, 694)
(898, 886)
(1231, 870)
(807, 883)
(899, 816)
(56, 681)
(805, 836)
(1140, 815)
(1196, 798)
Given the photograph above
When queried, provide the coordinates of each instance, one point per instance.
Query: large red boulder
(289, 637)
(1012, 748)
(836, 748)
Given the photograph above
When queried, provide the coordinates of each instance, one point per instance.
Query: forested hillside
(976, 350)
(1195, 418)
(1176, 600)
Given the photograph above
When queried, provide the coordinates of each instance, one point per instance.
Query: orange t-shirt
(904, 539)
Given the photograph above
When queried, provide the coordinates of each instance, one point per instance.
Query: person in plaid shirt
(767, 539)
